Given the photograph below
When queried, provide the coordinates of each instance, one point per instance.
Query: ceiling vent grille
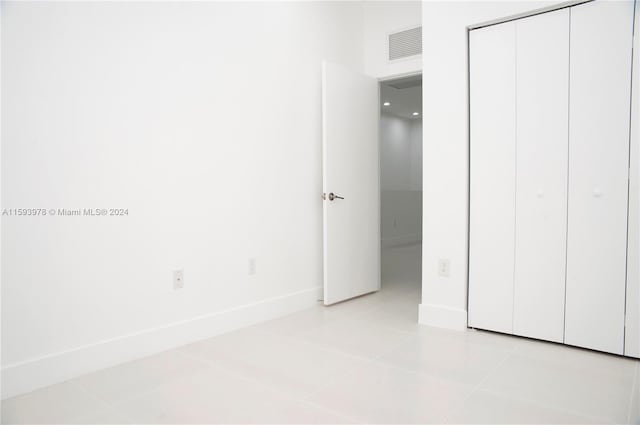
(404, 44)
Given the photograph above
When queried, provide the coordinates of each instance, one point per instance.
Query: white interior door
(542, 108)
(492, 171)
(600, 79)
(351, 206)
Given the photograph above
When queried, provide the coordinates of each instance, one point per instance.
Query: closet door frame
(634, 170)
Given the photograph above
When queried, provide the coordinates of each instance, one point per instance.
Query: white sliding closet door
(542, 108)
(492, 176)
(600, 77)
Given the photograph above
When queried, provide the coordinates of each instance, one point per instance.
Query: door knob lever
(333, 196)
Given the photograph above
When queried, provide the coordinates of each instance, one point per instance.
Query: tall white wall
(401, 180)
(445, 151)
(380, 19)
(203, 119)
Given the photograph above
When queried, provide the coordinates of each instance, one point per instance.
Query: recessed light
(415, 113)
(386, 104)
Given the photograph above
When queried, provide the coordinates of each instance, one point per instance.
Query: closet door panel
(600, 76)
(542, 69)
(632, 337)
(492, 177)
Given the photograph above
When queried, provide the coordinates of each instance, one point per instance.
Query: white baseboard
(401, 240)
(22, 377)
(442, 317)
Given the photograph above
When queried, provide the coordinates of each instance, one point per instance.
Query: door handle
(333, 196)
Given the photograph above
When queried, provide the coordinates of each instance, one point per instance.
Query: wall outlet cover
(444, 268)
(178, 279)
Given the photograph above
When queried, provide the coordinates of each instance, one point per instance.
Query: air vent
(405, 44)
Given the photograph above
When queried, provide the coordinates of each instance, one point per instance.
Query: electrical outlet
(178, 279)
(252, 266)
(443, 267)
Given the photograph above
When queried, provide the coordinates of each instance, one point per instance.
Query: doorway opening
(372, 194)
(401, 190)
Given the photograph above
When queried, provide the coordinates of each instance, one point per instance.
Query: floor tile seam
(73, 385)
(431, 375)
(206, 365)
(504, 349)
(338, 316)
(310, 344)
(333, 411)
(289, 395)
(510, 396)
(304, 341)
(396, 329)
(347, 316)
(328, 318)
(521, 349)
(476, 387)
(116, 405)
(108, 405)
(403, 335)
(370, 360)
(572, 368)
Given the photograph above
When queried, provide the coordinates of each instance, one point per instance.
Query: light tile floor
(362, 361)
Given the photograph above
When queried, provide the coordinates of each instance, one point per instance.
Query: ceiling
(405, 96)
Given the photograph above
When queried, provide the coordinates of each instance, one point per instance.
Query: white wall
(401, 180)
(380, 19)
(203, 119)
(445, 151)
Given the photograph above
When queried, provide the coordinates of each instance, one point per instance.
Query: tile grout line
(377, 307)
(371, 360)
(446, 417)
(518, 350)
(404, 335)
(546, 406)
(335, 412)
(214, 367)
(288, 395)
(305, 399)
(116, 406)
(300, 337)
(107, 404)
(377, 360)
